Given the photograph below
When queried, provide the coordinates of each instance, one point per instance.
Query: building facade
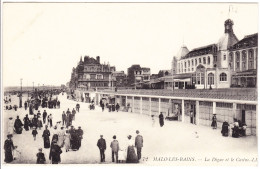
(210, 66)
(120, 78)
(138, 76)
(242, 59)
(90, 73)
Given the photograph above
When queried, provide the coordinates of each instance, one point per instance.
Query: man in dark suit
(102, 147)
(139, 144)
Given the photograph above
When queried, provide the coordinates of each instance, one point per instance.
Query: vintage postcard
(113, 83)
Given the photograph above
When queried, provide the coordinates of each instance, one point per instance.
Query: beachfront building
(215, 65)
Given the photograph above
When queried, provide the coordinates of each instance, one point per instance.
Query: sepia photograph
(136, 83)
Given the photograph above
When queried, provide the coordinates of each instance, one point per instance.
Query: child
(153, 121)
(121, 156)
(40, 157)
(17, 153)
(34, 133)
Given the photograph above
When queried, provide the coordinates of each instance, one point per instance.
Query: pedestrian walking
(73, 113)
(139, 144)
(10, 126)
(117, 107)
(39, 124)
(40, 157)
(161, 119)
(80, 135)
(9, 147)
(67, 141)
(55, 153)
(63, 118)
(18, 126)
(61, 137)
(25, 105)
(121, 156)
(77, 107)
(131, 155)
(26, 121)
(153, 121)
(102, 148)
(44, 115)
(50, 119)
(225, 128)
(46, 137)
(115, 148)
(214, 122)
(34, 133)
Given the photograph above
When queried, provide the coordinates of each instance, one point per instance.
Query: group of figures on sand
(119, 154)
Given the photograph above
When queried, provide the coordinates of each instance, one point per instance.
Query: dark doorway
(243, 116)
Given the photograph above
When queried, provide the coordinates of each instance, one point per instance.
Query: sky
(42, 42)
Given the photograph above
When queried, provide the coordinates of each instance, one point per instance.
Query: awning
(178, 80)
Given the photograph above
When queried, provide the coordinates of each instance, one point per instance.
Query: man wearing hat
(115, 148)
(9, 147)
(102, 148)
(139, 144)
(80, 136)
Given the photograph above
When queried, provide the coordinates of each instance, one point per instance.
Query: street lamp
(21, 94)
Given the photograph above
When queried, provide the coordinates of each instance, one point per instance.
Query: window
(196, 62)
(210, 79)
(199, 60)
(223, 77)
(92, 76)
(208, 60)
(189, 63)
(251, 54)
(204, 60)
(185, 64)
(244, 64)
(244, 55)
(251, 64)
(215, 58)
(225, 57)
(99, 76)
(238, 60)
(192, 62)
(230, 57)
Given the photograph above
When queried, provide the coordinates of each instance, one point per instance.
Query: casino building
(228, 63)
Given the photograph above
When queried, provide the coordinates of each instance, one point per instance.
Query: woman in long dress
(61, 135)
(26, 121)
(67, 141)
(18, 126)
(9, 147)
(131, 155)
(10, 126)
(46, 137)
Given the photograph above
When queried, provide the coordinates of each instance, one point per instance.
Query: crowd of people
(132, 153)
(236, 129)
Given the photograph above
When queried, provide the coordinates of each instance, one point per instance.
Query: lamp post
(33, 86)
(21, 94)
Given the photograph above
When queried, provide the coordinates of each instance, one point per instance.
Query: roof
(182, 52)
(200, 51)
(247, 41)
(227, 40)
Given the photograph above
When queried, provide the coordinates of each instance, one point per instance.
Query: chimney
(98, 59)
